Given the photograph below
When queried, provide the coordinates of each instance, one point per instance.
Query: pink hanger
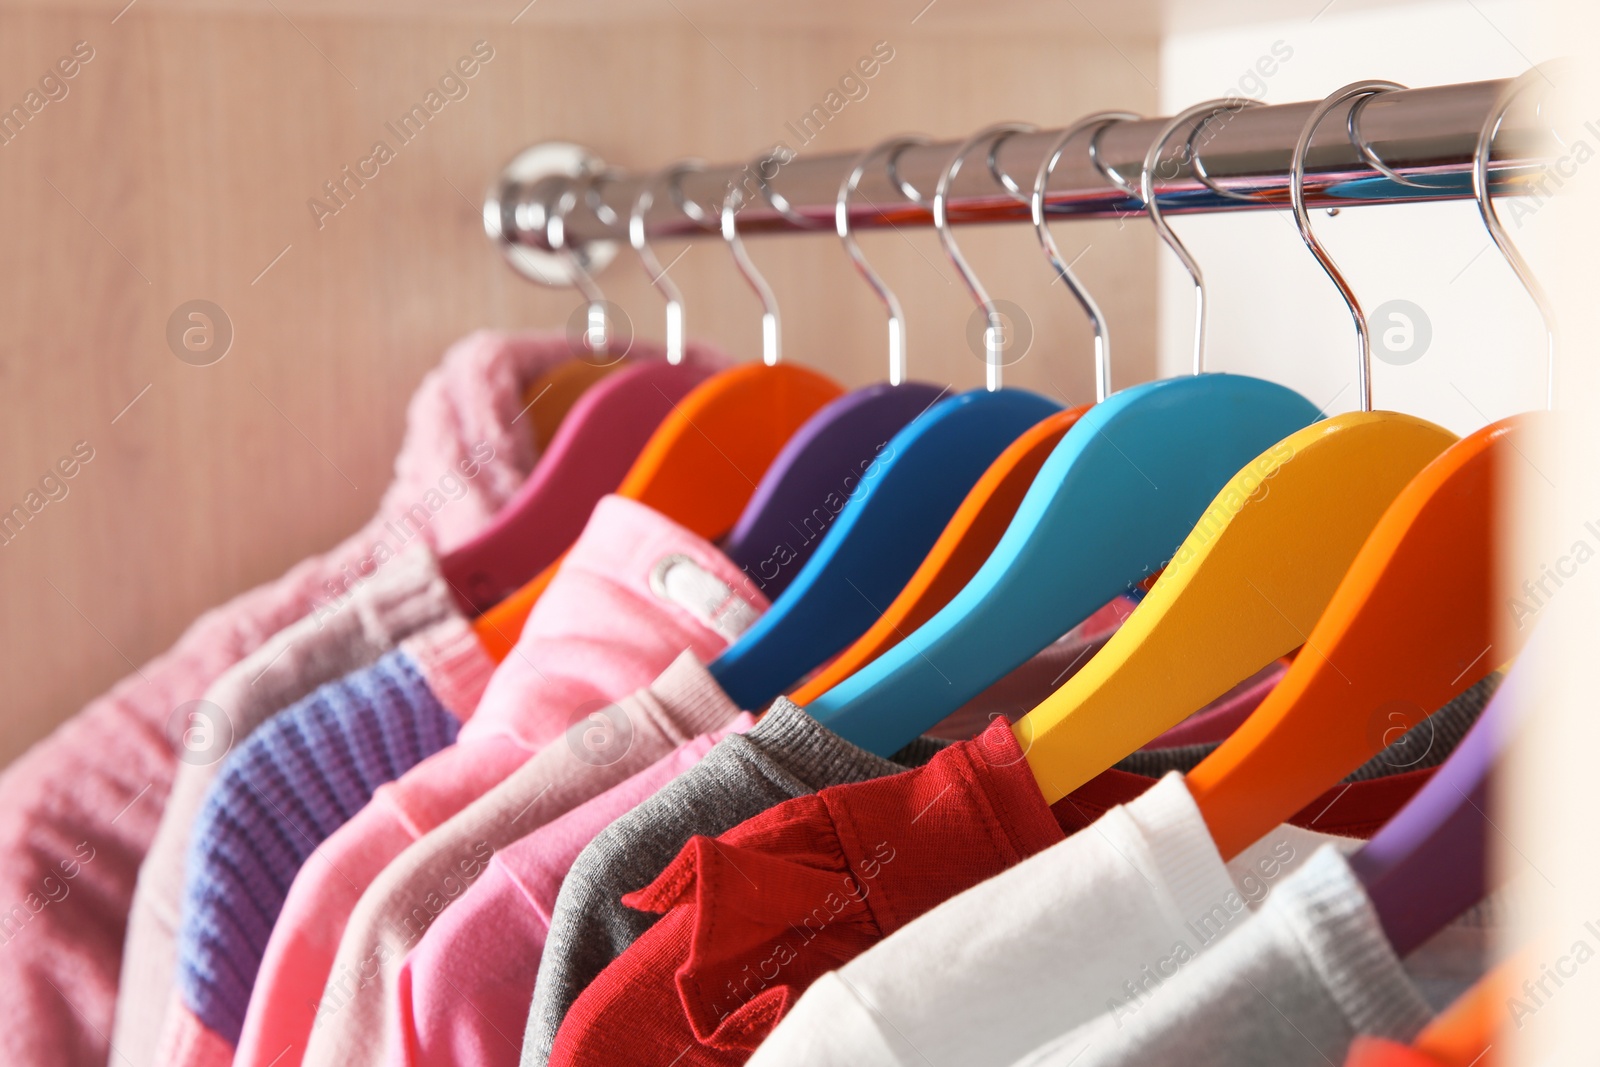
(591, 452)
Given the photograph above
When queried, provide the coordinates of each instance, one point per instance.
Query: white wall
(1274, 313)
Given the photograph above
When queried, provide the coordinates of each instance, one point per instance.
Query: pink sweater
(79, 809)
(633, 593)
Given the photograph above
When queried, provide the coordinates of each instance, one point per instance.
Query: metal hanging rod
(1419, 142)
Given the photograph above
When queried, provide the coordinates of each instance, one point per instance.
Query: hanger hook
(1302, 218)
(1106, 170)
(597, 327)
(1102, 336)
(770, 346)
(841, 220)
(994, 327)
(1199, 116)
(1497, 231)
(652, 264)
(1352, 125)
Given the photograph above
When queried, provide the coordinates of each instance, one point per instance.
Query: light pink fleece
(407, 595)
(464, 991)
(633, 593)
(87, 799)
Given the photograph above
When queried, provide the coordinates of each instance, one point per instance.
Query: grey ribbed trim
(817, 756)
(1331, 916)
(1434, 738)
(1425, 745)
(787, 754)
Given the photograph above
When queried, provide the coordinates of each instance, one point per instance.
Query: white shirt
(1093, 925)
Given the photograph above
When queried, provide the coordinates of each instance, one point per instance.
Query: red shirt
(750, 919)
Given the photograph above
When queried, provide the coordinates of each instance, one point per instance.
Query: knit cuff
(691, 699)
(813, 753)
(405, 596)
(453, 662)
(1333, 919)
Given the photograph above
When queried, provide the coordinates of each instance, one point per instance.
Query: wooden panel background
(178, 166)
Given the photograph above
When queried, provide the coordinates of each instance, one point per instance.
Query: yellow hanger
(1244, 588)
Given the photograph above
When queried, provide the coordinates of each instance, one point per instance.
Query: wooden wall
(178, 164)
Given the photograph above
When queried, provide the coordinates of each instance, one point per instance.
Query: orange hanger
(1462, 1033)
(700, 467)
(1417, 619)
(551, 395)
(559, 388)
(984, 514)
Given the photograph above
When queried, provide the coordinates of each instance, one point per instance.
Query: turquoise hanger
(898, 503)
(1120, 492)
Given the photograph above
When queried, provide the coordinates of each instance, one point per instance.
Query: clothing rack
(1424, 136)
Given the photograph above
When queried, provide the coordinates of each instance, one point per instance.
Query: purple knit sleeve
(295, 781)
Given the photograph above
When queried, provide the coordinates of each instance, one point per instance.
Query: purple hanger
(813, 475)
(1430, 862)
(598, 440)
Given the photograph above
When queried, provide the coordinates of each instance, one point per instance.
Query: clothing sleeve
(299, 954)
(297, 779)
(402, 904)
(1292, 987)
(463, 991)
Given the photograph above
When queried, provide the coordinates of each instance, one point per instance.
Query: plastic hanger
(977, 524)
(891, 520)
(1123, 486)
(700, 466)
(551, 395)
(796, 502)
(1416, 620)
(590, 454)
(1242, 590)
(1431, 861)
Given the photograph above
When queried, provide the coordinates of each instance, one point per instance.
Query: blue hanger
(905, 496)
(797, 498)
(1120, 492)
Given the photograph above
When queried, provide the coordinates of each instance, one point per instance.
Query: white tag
(681, 581)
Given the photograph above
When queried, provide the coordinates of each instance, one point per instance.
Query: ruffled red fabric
(743, 905)
(752, 918)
